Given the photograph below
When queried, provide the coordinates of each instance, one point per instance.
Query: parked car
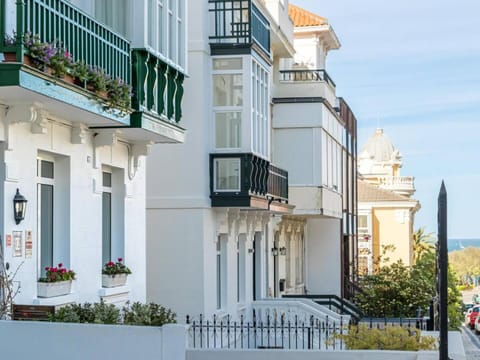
(477, 325)
(471, 316)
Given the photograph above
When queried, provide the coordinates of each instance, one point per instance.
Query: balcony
(238, 25)
(157, 88)
(247, 181)
(403, 185)
(306, 82)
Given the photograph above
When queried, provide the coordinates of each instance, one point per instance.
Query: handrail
(342, 305)
(306, 75)
(83, 36)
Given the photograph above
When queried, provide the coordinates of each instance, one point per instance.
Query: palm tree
(423, 243)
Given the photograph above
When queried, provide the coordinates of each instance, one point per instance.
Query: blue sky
(415, 65)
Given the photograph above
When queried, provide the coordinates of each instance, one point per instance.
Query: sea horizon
(462, 243)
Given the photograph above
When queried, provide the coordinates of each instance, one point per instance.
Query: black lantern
(19, 207)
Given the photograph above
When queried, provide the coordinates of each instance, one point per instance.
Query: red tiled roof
(302, 17)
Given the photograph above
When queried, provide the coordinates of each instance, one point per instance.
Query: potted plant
(39, 52)
(57, 281)
(80, 73)
(97, 81)
(114, 274)
(119, 94)
(60, 62)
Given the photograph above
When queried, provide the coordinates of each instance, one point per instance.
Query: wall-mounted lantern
(275, 251)
(283, 250)
(19, 207)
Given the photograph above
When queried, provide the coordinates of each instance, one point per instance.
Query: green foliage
(80, 71)
(389, 338)
(465, 263)
(113, 268)
(57, 273)
(397, 290)
(147, 314)
(101, 313)
(98, 313)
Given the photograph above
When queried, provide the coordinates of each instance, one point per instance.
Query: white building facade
(75, 154)
(223, 232)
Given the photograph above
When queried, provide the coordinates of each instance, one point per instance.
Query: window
(227, 174)
(241, 268)
(260, 110)
(45, 192)
(166, 33)
(227, 102)
(228, 129)
(107, 217)
(53, 211)
(113, 214)
(221, 271)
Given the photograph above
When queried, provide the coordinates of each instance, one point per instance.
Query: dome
(380, 148)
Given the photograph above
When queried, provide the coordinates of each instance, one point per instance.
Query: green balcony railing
(238, 23)
(83, 36)
(157, 87)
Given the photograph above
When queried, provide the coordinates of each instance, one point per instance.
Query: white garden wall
(43, 340)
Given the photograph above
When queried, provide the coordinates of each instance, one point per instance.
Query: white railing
(405, 183)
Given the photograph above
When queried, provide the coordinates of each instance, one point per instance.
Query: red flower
(47, 268)
(60, 265)
(120, 259)
(110, 264)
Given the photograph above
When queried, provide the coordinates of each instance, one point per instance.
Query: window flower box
(52, 289)
(57, 282)
(114, 274)
(109, 281)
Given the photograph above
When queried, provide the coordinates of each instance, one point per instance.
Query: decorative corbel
(28, 113)
(101, 139)
(79, 134)
(39, 124)
(221, 226)
(139, 149)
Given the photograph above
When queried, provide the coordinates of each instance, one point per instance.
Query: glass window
(227, 64)
(45, 207)
(228, 130)
(227, 175)
(107, 217)
(227, 90)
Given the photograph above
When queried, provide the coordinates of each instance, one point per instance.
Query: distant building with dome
(386, 209)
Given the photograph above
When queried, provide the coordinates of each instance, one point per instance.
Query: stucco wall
(40, 340)
(79, 220)
(323, 256)
(392, 226)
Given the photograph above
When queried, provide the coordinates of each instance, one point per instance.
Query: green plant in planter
(80, 71)
(60, 62)
(112, 268)
(40, 52)
(119, 94)
(58, 273)
(97, 79)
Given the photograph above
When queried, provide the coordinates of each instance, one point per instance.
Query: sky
(413, 69)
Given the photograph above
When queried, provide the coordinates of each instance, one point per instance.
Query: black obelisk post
(442, 267)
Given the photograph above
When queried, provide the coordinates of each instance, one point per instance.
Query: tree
(397, 290)
(422, 243)
(8, 292)
(465, 263)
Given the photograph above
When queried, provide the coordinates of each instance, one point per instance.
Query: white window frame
(260, 108)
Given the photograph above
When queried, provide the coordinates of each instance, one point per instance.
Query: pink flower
(47, 268)
(110, 263)
(120, 259)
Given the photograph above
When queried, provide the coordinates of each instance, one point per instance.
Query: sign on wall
(28, 244)
(17, 243)
(8, 240)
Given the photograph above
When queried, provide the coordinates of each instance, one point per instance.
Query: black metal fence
(421, 323)
(278, 332)
(273, 333)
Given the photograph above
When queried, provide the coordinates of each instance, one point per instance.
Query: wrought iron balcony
(157, 87)
(238, 24)
(246, 180)
(306, 75)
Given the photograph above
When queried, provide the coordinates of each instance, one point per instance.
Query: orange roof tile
(302, 17)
